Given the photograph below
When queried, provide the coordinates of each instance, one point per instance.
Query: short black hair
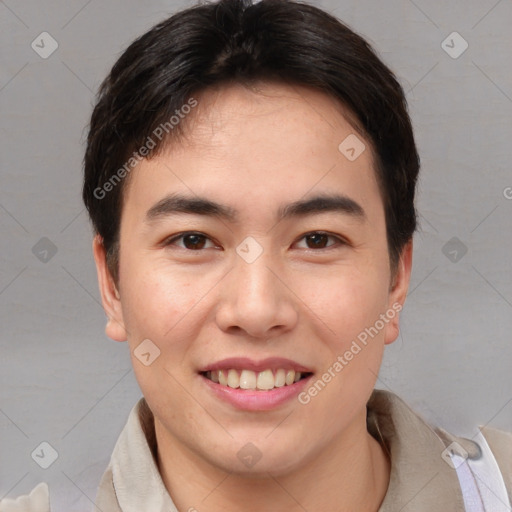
(239, 41)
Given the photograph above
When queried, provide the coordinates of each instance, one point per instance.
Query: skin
(254, 151)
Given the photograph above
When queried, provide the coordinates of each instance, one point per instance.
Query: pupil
(194, 241)
(318, 239)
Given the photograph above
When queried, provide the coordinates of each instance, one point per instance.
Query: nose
(256, 301)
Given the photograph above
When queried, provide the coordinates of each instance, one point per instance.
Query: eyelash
(339, 241)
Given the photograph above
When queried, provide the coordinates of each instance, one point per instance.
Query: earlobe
(110, 296)
(398, 292)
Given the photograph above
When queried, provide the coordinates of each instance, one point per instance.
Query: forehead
(270, 141)
(295, 110)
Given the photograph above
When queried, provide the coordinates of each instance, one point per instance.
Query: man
(250, 175)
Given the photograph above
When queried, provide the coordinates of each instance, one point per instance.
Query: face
(254, 252)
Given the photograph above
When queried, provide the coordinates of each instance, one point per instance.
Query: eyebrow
(180, 204)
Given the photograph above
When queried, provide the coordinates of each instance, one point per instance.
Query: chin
(258, 459)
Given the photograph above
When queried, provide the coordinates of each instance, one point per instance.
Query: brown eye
(190, 241)
(194, 241)
(317, 240)
(320, 240)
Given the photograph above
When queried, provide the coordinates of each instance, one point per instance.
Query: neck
(350, 473)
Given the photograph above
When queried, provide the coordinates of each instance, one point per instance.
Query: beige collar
(420, 478)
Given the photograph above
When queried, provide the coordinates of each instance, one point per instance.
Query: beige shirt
(420, 479)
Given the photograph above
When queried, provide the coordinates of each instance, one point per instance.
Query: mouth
(250, 380)
(255, 386)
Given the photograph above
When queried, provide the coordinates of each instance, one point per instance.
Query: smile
(265, 380)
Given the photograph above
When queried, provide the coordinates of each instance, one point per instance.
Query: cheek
(348, 301)
(160, 306)
(156, 301)
(349, 305)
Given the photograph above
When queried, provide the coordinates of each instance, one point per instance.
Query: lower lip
(251, 400)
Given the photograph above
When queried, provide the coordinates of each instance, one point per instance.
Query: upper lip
(244, 363)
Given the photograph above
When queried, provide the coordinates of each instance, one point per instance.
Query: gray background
(62, 381)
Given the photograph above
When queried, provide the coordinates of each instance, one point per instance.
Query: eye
(191, 241)
(320, 239)
(194, 241)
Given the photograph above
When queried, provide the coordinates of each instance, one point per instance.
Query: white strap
(481, 481)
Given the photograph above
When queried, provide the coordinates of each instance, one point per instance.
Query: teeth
(265, 380)
(223, 377)
(233, 379)
(280, 378)
(247, 379)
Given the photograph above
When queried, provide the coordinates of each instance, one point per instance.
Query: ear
(110, 297)
(398, 292)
